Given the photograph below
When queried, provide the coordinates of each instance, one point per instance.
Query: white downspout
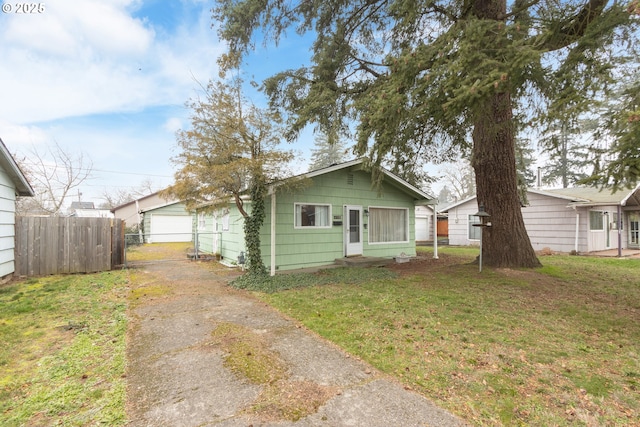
(273, 232)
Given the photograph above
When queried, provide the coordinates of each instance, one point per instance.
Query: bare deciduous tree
(54, 174)
(117, 196)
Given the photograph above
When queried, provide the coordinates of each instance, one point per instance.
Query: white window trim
(469, 225)
(597, 230)
(314, 227)
(388, 243)
(226, 220)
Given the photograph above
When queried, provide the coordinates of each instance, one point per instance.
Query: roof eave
(23, 188)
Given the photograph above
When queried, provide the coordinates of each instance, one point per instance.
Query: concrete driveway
(177, 374)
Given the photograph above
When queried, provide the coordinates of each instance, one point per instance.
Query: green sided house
(339, 214)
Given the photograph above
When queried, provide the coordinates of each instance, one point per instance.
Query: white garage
(170, 228)
(424, 219)
(170, 222)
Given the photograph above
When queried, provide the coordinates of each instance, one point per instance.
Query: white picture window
(312, 215)
(387, 225)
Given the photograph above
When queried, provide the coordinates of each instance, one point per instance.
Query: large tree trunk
(506, 243)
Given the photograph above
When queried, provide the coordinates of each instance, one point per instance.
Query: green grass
(286, 281)
(559, 345)
(62, 361)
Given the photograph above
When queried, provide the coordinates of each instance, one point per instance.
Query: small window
(312, 215)
(596, 221)
(225, 220)
(614, 222)
(201, 221)
(474, 231)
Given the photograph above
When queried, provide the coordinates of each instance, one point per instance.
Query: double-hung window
(474, 230)
(312, 215)
(225, 220)
(596, 221)
(387, 225)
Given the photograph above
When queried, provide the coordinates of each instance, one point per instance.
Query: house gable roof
(140, 199)
(585, 196)
(393, 179)
(594, 196)
(163, 205)
(7, 162)
(458, 203)
(82, 205)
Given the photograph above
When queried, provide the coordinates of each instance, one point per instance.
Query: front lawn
(555, 346)
(62, 359)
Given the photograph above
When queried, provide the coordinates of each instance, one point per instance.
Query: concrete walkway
(177, 374)
(624, 253)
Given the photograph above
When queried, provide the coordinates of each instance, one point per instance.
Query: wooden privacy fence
(53, 245)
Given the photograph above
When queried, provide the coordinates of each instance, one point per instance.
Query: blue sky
(109, 78)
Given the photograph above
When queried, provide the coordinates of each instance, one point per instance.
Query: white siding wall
(597, 239)
(7, 224)
(551, 224)
(548, 220)
(459, 224)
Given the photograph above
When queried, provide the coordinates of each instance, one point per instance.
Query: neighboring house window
(614, 223)
(388, 225)
(201, 221)
(312, 215)
(596, 221)
(225, 220)
(474, 231)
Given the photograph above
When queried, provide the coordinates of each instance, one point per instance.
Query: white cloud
(71, 28)
(21, 138)
(92, 56)
(172, 125)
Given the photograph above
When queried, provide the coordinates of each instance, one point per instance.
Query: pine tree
(416, 78)
(568, 157)
(326, 154)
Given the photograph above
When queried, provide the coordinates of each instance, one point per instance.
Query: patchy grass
(62, 361)
(558, 345)
(248, 356)
(158, 251)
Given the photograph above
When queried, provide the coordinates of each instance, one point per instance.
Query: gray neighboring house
(131, 212)
(88, 210)
(580, 219)
(13, 183)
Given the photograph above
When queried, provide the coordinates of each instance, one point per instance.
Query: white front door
(353, 230)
